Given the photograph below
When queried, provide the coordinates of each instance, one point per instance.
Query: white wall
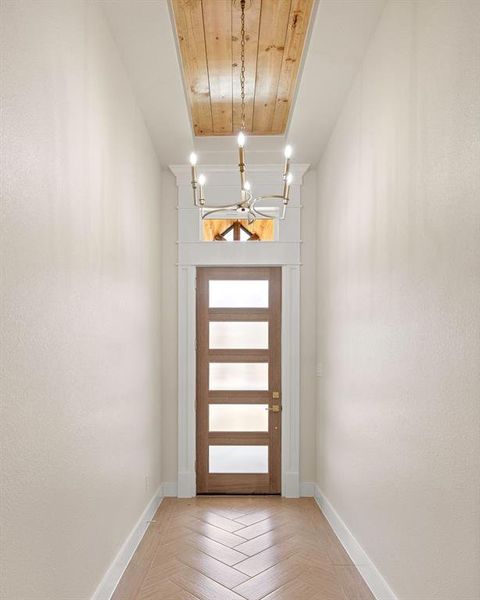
(81, 299)
(169, 330)
(308, 329)
(398, 291)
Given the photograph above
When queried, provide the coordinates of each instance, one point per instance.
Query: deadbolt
(275, 395)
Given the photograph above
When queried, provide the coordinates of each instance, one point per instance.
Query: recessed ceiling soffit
(210, 45)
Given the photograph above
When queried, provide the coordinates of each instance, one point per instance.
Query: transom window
(236, 230)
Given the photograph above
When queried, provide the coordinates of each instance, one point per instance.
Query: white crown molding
(240, 254)
(367, 569)
(183, 172)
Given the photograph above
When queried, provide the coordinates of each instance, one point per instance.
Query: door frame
(285, 252)
(290, 456)
(241, 483)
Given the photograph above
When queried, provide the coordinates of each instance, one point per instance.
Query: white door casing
(192, 252)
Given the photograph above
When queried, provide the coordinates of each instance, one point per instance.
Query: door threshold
(236, 495)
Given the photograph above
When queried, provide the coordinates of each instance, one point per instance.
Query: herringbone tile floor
(240, 548)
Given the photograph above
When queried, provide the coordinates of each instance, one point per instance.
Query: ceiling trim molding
(183, 172)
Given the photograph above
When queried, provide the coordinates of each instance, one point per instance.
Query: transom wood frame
(248, 483)
(236, 228)
(209, 39)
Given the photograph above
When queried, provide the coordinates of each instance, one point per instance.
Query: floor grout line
(205, 552)
(300, 554)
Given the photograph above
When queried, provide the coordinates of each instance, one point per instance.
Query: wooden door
(238, 380)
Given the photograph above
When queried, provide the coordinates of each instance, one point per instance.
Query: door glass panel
(246, 293)
(238, 376)
(238, 459)
(238, 417)
(240, 335)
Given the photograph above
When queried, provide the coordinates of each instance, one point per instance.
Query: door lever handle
(275, 408)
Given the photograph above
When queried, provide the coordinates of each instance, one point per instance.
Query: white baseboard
(115, 571)
(169, 489)
(372, 576)
(307, 489)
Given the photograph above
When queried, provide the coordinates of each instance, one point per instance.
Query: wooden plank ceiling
(209, 38)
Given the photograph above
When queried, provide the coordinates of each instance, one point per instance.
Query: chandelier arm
(261, 214)
(246, 203)
(218, 207)
(210, 210)
(272, 197)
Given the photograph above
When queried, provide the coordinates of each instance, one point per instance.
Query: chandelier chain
(247, 204)
(242, 59)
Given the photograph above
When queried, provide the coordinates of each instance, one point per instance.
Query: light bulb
(247, 186)
(288, 151)
(193, 159)
(202, 179)
(241, 139)
(289, 178)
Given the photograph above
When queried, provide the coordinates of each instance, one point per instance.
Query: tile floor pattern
(240, 548)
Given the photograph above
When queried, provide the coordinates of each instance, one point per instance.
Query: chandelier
(247, 202)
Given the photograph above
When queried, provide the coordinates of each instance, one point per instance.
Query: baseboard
(372, 576)
(114, 573)
(307, 489)
(169, 489)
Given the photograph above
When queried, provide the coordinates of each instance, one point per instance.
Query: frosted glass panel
(238, 417)
(245, 293)
(239, 334)
(238, 459)
(238, 376)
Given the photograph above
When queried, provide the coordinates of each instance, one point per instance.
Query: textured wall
(81, 299)
(398, 314)
(169, 330)
(308, 329)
